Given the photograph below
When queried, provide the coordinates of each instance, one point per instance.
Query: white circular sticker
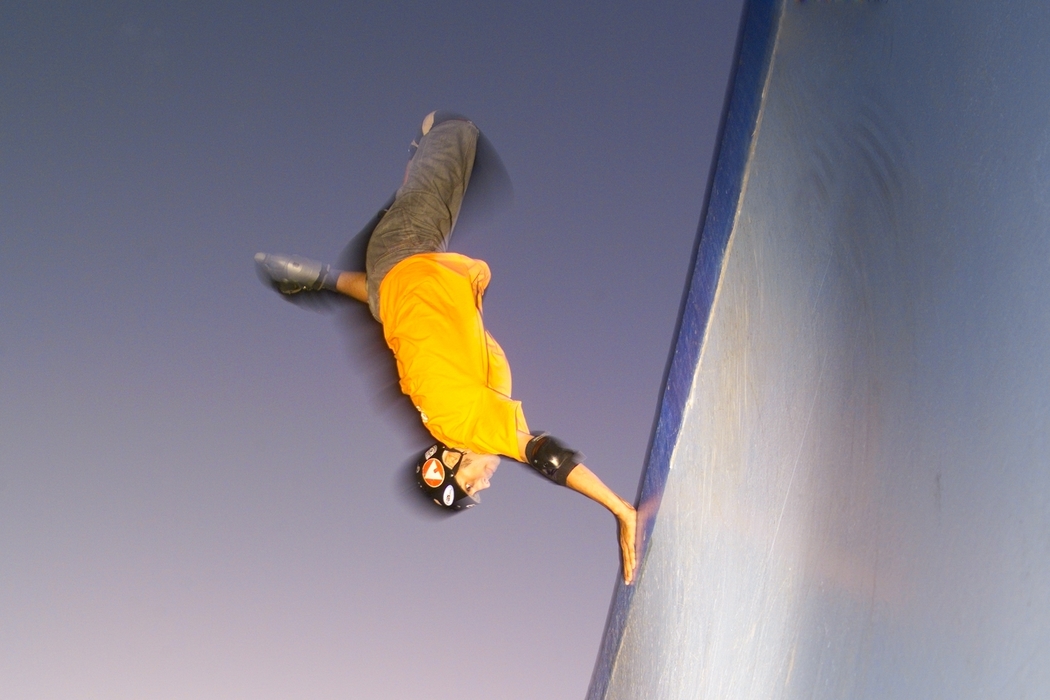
(448, 495)
(430, 452)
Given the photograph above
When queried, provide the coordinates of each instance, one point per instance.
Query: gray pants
(426, 207)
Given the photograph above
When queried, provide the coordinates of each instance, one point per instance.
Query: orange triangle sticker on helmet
(433, 473)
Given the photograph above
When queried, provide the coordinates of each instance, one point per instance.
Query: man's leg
(420, 219)
(353, 285)
(426, 207)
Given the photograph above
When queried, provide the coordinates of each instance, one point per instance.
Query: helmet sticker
(430, 452)
(433, 473)
(449, 494)
(451, 457)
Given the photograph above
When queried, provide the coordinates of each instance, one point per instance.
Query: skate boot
(290, 274)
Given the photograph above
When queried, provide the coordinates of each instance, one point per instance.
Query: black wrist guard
(547, 455)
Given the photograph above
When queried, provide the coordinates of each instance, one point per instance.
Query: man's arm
(583, 480)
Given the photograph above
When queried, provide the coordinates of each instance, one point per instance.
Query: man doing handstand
(429, 302)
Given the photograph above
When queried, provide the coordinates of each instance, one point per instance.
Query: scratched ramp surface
(855, 500)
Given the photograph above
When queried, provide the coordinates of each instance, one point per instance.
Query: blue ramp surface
(848, 492)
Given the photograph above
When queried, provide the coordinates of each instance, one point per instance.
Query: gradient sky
(198, 482)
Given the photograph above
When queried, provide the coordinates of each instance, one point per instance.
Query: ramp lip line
(739, 129)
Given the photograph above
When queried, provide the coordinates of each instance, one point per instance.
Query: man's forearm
(583, 480)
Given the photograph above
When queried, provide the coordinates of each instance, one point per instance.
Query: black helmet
(435, 473)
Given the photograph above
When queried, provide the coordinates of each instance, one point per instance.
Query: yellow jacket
(453, 370)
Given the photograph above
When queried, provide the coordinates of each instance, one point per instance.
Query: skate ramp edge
(847, 492)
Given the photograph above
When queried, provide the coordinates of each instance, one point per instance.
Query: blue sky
(198, 481)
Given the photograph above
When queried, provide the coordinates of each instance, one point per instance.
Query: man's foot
(428, 123)
(290, 274)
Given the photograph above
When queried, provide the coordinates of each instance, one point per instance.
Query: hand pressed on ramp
(628, 554)
(583, 480)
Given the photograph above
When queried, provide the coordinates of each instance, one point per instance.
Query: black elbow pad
(547, 455)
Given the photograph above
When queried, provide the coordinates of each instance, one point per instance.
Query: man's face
(475, 471)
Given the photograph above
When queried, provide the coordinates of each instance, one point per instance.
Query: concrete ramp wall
(848, 493)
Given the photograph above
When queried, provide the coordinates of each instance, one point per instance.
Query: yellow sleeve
(499, 377)
(499, 420)
(480, 276)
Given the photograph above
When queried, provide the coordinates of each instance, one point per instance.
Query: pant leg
(426, 207)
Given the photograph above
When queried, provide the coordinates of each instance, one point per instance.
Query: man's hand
(583, 480)
(628, 553)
